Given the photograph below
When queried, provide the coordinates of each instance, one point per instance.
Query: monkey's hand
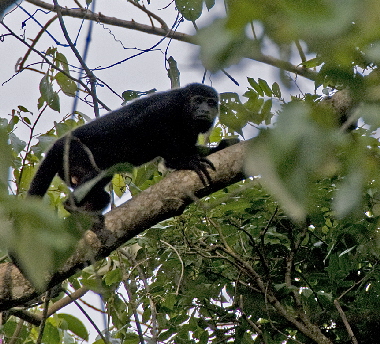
(196, 163)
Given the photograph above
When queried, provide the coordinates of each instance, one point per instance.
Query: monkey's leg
(82, 168)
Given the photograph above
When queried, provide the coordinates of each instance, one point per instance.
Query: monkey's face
(203, 111)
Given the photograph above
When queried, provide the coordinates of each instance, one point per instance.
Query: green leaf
(209, 4)
(48, 95)
(312, 63)
(131, 94)
(291, 158)
(113, 277)
(54, 103)
(67, 85)
(267, 107)
(46, 89)
(173, 72)
(74, 325)
(169, 301)
(119, 184)
(51, 333)
(143, 173)
(221, 47)
(23, 108)
(28, 172)
(81, 191)
(62, 60)
(216, 134)
(5, 158)
(33, 222)
(265, 87)
(276, 90)
(256, 86)
(14, 120)
(190, 9)
(17, 144)
(232, 112)
(349, 193)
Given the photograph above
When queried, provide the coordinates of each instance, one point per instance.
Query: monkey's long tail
(47, 170)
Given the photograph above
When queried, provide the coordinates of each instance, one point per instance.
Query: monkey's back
(137, 132)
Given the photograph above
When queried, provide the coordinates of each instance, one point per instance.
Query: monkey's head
(203, 106)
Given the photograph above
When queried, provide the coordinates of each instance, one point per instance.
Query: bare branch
(131, 24)
(20, 66)
(150, 14)
(128, 24)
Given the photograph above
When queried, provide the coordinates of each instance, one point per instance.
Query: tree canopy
(283, 247)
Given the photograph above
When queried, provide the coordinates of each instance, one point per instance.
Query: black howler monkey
(165, 124)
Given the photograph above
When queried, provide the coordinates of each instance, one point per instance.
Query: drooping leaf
(173, 72)
(62, 60)
(74, 325)
(48, 95)
(67, 85)
(46, 89)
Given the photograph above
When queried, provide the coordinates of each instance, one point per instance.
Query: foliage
(288, 256)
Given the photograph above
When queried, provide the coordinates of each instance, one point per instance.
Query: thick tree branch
(161, 201)
(163, 32)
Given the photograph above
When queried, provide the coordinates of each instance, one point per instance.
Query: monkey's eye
(212, 102)
(198, 100)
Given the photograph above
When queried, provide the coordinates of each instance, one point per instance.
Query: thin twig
(20, 66)
(249, 321)
(54, 66)
(345, 322)
(27, 149)
(179, 36)
(300, 51)
(144, 280)
(16, 333)
(44, 317)
(90, 320)
(132, 304)
(182, 265)
(150, 14)
(89, 73)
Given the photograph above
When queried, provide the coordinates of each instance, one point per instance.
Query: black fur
(165, 124)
